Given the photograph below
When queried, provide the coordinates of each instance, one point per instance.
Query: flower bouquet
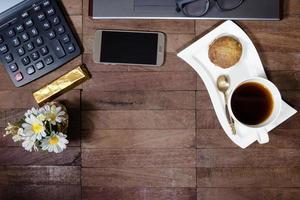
(42, 129)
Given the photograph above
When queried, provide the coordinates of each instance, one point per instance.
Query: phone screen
(129, 47)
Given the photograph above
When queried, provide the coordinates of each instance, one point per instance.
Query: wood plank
(213, 138)
(138, 139)
(91, 25)
(18, 156)
(172, 64)
(113, 193)
(134, 119)
(200, 84)
(207, 119)
(145, 100)
(176, 42)
(276, 42)
(127, 158)
(47, 175)
(291, 123)
(292, 97)
(173, 26)
(279, 138)
(24, 99)
(285, 80)
(291, 7)
(263, 157)
(248, 193)
(202, 27)
(125, 81)
(287, 24)
(73, 7)
(203, 101)
(76, 23)
(41, 192)
(139, 177)
(166, 26)
(275, 61)
(248, 177)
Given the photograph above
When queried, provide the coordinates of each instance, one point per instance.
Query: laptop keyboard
(37, 42)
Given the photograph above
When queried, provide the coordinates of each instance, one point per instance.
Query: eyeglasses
(198, 8)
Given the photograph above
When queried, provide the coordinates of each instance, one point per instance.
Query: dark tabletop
(151, 133)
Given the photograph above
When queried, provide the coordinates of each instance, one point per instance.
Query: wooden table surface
(151, 133)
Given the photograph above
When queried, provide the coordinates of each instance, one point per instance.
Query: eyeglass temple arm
(228, 9)
(180, 4)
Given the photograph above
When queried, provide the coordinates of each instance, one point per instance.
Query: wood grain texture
(207, 119)
(248, 193)
(112, 193)
(291, 7)
(18, 156)
(143, 100)
(124, 81)
(24, 99)
(248, 177)
(138, 139)
(150, 133)
(146, 158)
(263, 157)
(40, 192)
(135, 119)
(47, 175)
(73, 7)
(139, 177)
(203, 101)
(166, 26)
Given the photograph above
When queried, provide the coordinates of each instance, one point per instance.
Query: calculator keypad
(37, 43)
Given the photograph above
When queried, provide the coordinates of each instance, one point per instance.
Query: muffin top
(225, 51)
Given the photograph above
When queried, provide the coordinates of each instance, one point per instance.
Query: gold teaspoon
(223, 85)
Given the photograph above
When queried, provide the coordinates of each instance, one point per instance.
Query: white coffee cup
(260, 129)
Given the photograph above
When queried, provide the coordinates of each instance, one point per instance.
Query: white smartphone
(129, 47)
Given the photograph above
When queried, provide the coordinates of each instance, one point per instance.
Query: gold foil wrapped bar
(61, 85)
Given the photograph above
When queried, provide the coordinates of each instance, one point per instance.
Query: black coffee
(252, 103)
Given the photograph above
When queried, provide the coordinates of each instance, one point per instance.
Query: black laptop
(35, 38)
(166, 9)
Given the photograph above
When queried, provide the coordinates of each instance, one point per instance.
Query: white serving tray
(249, 65)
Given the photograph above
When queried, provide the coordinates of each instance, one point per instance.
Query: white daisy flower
(34, 128)
(54, 114)
(55, 142)
(41, 117)
(28, 144)
(33, 111)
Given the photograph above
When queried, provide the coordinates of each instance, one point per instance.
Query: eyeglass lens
(200, 7)
(196, 8)
(229, 4)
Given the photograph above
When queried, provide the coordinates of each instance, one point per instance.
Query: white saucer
(249, 65)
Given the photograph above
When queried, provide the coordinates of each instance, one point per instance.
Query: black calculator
(35, 38)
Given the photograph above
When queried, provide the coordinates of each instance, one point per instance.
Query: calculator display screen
(6, 4)
(129, 47)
